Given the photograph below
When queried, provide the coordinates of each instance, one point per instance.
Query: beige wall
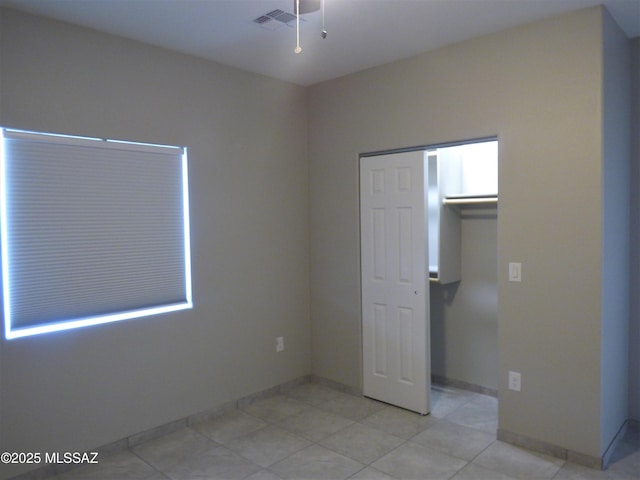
(247, 140)
(539, 88)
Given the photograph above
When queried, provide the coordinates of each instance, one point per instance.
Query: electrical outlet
(514, 381)
(279, 344)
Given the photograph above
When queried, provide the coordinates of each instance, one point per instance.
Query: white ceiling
(361, 33)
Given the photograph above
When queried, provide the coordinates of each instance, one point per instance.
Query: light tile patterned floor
(314, 432)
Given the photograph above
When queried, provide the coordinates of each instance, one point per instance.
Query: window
(91, 231)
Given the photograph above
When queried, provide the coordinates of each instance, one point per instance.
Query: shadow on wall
(441, 297)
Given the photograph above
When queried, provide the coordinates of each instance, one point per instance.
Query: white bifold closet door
(395, 285)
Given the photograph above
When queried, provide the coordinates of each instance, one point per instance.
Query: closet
(458, 177)
(463, 214)
(421, 295)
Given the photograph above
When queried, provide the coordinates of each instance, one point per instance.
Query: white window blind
(92, 231)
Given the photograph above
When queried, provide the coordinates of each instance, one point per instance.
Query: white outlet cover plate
(514, 381)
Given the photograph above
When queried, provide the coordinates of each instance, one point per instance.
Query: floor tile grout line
(132, 452)
(317, 442)
(310, 403)
(405, 441)
(469, 462)
(226, 447)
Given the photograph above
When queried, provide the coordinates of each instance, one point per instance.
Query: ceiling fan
(300, 7)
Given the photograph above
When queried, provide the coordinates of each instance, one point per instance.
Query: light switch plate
(515, 272)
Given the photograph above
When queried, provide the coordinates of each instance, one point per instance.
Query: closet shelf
(470, 200)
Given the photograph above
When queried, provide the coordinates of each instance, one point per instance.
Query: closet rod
(468, 200)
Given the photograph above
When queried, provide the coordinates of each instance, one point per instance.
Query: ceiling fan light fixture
(307, 6)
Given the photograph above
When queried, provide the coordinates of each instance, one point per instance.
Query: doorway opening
(429, 271)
